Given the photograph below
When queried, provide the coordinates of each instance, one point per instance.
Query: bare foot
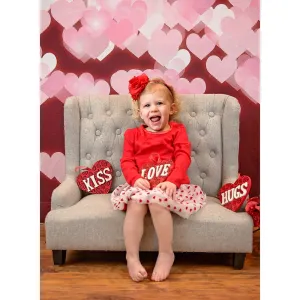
(163, 266)
(136, 271)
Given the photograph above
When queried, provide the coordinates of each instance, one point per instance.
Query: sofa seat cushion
(92, 224)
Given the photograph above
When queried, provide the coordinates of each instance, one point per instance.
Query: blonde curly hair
(154, 85)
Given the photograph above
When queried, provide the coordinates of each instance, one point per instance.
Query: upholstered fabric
(92, 224)
(94, 130)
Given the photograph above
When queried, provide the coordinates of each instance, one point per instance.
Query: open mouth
(155, 119)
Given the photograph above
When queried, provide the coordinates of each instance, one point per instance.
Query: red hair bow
(137, 84)
(253, 209)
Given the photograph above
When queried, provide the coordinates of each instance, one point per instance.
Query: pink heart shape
(251, 87)
(242, 4)
(255, 3)
(196, 86)
(199, 27)
(136, 13)
(171, 77)
(187, 16)
(79, 86)
(154, 22)
(44, 70)
(201, 6)
(153, 73)
(119, 80)
(252, 13)
(67, 13)
(242, 59)
(48, 64)
(101, 88)
(163, 47)
(251, 41)
(236, 27)
(53, 166)
(177, 64)
(53, 84)
(221, 69)
(232, 45)
(76, 42)
(247, 77)
(45, 20)
(63, 94)
(138, 45)
(109, 5)
(250, 68)
(43, 97)
(170, 15)
(118, 33)
(232, 82)
(94, 46)
(211, 35)
(96, 22)
(200, 47)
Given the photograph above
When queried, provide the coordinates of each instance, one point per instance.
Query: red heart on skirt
(96, 180)
(233, 195)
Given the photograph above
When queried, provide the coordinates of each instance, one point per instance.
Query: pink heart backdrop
(198, 46)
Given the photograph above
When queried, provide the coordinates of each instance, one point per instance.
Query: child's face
(155, 110)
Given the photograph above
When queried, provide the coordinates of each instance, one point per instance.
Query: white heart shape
(50, 60)
(45, 4)
(182, 55)
(108, 49)
(155, 22)
(219, 13)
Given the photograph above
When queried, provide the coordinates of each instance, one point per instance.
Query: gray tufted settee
(94, 130)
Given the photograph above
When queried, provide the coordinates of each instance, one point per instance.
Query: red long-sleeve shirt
(140, 145)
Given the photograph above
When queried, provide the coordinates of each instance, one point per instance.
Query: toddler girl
(155, 161)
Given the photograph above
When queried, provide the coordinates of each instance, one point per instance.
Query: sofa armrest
(231, 140)
(66, 194)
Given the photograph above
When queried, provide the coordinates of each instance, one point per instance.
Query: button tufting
(193, 114)
(211, 114)
(118, 173)
(203, 175)
(129, 112)
(88, 156)
(108, 112)
(97, 132)
(193, 153)
(212, 154)
(109, 153)
(118, 131)
(202, 132)
(90, 116)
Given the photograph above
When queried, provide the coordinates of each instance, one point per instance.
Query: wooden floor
(103, 276)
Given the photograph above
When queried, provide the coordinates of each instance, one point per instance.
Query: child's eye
(160, 103)
(146, 105)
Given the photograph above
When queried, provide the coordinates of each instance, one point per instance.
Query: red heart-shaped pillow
(253, 209)
(233, 195)
(96, 180)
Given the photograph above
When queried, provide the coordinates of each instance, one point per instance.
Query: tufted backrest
(95, 126)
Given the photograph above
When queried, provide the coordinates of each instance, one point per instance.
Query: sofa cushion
(92, 224)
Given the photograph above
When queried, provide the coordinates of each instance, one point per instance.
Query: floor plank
(103, 275)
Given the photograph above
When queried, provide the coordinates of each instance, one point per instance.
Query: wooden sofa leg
(59, 256)
(238, 260)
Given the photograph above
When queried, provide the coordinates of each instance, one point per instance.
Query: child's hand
(142, 184)
(168, 187)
